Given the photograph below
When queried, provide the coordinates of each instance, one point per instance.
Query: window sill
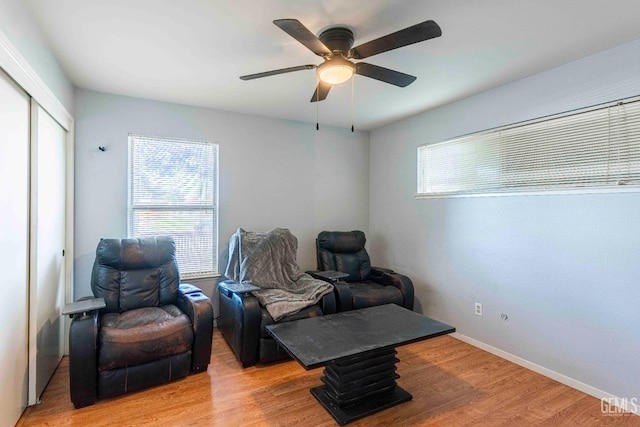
(187, 277)
(559, 192)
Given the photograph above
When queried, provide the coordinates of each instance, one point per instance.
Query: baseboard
(607, 399)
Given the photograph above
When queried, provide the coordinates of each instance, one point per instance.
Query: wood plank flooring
(453, 384)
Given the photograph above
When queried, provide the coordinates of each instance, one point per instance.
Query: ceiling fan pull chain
(353, 85)
(317, 103)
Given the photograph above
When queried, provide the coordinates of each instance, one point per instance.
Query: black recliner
(365, 286)
(242, 319)
(152, 330)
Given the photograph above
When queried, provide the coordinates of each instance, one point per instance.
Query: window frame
(132, 207)
(526, 188)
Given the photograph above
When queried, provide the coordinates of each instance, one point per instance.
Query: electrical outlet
(478, 309)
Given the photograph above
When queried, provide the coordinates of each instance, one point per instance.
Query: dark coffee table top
(319, 341)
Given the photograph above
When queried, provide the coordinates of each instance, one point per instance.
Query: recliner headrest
(128, 254)
(341, 241)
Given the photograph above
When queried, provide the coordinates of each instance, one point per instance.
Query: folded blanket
(268, 260)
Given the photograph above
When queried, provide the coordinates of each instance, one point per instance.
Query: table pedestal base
(371, 406)
(360, 386)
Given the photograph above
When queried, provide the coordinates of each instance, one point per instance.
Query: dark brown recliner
(152, 330)
(365, 286)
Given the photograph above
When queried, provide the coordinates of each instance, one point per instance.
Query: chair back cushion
(135, 273)
(344, 251)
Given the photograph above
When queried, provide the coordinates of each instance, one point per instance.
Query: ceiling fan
(334, 45)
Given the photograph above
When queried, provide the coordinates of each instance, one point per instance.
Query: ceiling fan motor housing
(338, 39)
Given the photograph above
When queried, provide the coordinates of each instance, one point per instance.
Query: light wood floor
(453, 384)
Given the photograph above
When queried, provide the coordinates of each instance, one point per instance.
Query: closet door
(48, 141)
(14, 249)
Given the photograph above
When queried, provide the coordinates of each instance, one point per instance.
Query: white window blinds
(173, 191)
(599, 148)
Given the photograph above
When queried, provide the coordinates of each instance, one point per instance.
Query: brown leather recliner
(364, 285)
(152, 330)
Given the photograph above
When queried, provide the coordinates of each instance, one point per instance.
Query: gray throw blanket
(268, 260)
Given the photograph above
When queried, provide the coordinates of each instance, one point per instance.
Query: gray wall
(23, 32)
(273, 173)
(565, 269)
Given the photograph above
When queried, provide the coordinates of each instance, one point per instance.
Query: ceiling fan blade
(275, 72)
(295, 29)
(384, 74)
(321, 92)
(417, 33)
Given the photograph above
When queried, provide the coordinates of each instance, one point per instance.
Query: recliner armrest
(197, 306)
(239, 323)
(401, 282)
(341, 296)
(344, 296)
(83, 359)
(328, 303)
(188, 288)
(378, 272)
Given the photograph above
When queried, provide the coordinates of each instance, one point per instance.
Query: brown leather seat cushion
(368, 294)
(142, 335)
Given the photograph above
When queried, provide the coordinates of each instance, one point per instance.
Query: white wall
(565, 269)
(273, 173)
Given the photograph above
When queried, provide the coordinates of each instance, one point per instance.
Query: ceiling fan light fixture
(336, 71)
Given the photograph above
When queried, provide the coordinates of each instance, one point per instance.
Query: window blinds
(173, 191)
(599, 148)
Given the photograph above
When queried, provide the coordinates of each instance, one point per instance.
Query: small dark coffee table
(357, 349)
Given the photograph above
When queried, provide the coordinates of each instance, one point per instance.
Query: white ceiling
(193, 51)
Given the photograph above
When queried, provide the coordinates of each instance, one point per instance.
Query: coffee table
(357, 349)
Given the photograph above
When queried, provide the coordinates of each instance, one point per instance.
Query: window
(591, 149)
(173, 191)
